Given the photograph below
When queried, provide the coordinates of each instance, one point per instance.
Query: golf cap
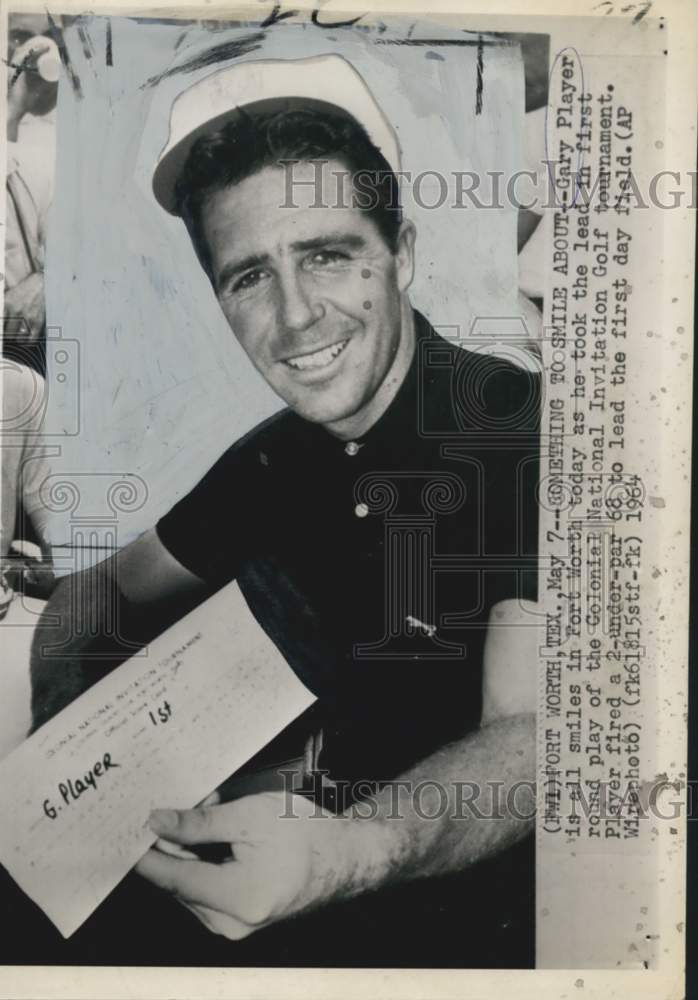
(209, 104)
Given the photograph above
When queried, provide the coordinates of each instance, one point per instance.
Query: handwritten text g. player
(71, 789)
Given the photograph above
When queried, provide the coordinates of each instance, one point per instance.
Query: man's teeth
(319, 359)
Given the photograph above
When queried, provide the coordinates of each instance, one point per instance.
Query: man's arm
(478, 791)
(96, 619)
(438, 817)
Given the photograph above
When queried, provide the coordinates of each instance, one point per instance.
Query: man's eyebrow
(234, 267)
(349, 240)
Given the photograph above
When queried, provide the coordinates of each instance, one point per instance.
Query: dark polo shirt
(374, 564)
(341, 550)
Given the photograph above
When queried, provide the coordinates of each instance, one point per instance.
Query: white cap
(207, 105)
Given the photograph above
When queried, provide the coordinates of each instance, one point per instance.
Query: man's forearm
(75, 643)
(87, 629)
(287, 863)
(461, 805)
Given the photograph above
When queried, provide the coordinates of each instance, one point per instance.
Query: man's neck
(361, 422)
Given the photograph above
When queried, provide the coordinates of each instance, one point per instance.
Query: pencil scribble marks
(480, 75)
(219, 53)
(87, 47)
(276, 16)
(20, 68)
(57, 36)
(314, 17)
(644, 9)
(440, 42)
(109, 56)
(610, 7)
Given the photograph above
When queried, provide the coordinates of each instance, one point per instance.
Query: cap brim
(170, 167)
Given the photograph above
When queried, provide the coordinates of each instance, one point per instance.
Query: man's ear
(404, 255)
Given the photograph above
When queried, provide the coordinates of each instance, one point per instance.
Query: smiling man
(377, 527)
(318, 304)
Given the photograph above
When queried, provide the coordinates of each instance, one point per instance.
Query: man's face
(39, 96)
(313, 294)
(22, 27)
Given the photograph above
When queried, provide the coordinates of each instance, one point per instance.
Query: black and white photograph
(332, 546)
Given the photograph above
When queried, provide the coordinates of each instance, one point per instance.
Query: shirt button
(351, 448)
(361, 510)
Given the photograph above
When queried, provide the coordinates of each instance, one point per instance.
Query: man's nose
(298, 306)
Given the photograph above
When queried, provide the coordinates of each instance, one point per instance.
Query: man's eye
(247, 281)
(323, 257)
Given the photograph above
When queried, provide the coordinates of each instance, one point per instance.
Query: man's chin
(326, 412)
(325, 416)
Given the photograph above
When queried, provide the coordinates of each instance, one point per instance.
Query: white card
(161, 731)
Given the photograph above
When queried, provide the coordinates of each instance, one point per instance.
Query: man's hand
(25, 310)
(288, 856)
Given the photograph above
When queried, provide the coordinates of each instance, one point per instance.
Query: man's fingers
(203, 825)
(214, 799)
(220, 923)
(192, 881)
(246, 819)
(174, 850)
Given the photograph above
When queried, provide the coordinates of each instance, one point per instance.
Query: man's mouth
(318, 359)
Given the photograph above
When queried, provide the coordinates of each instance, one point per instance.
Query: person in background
(32, 88)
